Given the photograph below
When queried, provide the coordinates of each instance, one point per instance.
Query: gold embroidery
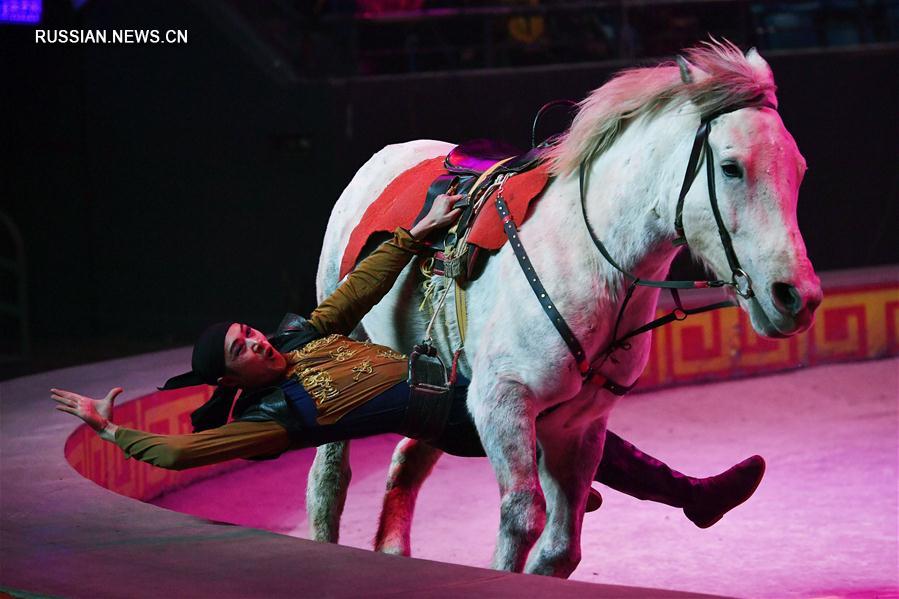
(389, 353)
(317, 343)
(319, 384)
(364, 368)
(343, 353)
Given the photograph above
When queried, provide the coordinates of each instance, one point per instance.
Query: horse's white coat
(517, 362)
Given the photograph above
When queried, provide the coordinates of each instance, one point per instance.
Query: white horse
(635, 135)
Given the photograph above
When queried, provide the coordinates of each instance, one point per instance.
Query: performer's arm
(175, 452)
(229, 442)
(341, 311)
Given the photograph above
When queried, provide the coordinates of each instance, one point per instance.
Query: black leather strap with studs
(574, 346)
(545, 302)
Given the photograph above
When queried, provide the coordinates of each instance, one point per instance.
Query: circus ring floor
(823, 523)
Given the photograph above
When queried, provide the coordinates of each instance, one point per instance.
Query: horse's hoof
(594, 500)
(394, 550)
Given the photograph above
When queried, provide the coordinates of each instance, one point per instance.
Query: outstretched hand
(97, 413)
(440, 215)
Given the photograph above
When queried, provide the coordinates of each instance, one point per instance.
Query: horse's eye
(732, 170)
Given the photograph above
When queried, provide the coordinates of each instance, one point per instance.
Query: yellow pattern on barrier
(856, 324)
(853, 323)
(702, 343)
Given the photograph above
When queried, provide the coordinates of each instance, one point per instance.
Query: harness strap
(615, 388)
(741, 281)
(679, 313)
(546, 303)
(461, 312)
(485, 176)
(699, 142)
(555, 317)
(605, 253)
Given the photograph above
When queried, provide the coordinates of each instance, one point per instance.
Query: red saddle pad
(401, 201)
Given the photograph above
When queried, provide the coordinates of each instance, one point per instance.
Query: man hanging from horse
(311, 384)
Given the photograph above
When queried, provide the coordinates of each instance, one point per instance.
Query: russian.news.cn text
(110, 36)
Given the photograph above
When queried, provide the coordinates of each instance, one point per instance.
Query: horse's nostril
(813, 303)
(786, 298)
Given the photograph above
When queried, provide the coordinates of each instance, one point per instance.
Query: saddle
(477, 156)
(472, 169)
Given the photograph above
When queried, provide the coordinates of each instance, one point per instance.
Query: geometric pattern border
(860, 322)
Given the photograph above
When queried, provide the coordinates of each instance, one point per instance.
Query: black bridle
(740, 280)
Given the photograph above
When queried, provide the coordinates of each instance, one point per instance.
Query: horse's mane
(727, 79)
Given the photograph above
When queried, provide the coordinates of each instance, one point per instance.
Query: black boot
(716, 495)
(594, 500)
(704, 500)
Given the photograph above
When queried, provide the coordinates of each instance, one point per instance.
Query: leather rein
(740, 280)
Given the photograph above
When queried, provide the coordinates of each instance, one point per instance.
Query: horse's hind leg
(503, 413)
(568, 462)
(326, 490)
(411, 464)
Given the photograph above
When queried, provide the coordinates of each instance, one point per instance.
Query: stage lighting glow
(21, 11)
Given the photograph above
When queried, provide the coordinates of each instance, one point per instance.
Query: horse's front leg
(326, 490)
(411, 464)
(568, 461)
(503, 411)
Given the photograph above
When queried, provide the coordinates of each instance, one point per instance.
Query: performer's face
(250, 359)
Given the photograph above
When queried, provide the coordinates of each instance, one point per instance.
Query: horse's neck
(631, 194)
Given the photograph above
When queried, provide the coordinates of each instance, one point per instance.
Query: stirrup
(430, 394)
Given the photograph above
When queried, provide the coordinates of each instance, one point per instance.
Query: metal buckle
(742, 284)
(454, 266)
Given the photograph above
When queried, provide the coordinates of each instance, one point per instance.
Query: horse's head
(757, 172)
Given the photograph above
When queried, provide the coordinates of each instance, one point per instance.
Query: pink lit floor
(823, 523)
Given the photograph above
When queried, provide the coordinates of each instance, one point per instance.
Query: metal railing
(348, 39)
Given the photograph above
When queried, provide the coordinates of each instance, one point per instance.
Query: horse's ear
(689, 73)
(684, 67)
(759, 64)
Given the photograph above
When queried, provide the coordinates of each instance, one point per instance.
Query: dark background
(158, 188)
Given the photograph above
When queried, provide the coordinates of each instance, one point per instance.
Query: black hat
(208, 359)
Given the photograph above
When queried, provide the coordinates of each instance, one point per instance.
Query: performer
(310, 384)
